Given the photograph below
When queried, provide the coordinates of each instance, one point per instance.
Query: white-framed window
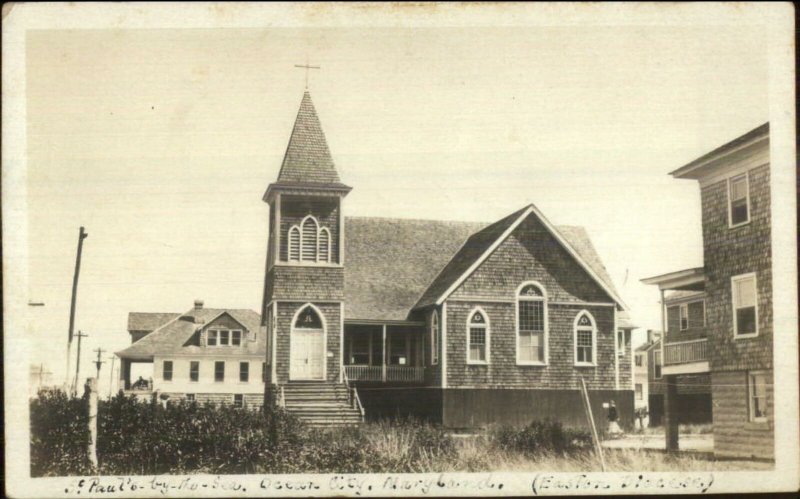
(167, 370)
(623, 342)
(637, 388)
(478, 337)
(211, 340)
(738, 200)
(744, 296)
(657, 363)
(585, 335)
(435, 338)
(531, 324)
(684, 316)
(638, 360)
(757, 389)
(224, 337)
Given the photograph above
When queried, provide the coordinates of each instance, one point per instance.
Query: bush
(59, 435)
(542, 437)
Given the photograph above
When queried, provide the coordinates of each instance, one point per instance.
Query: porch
(384, 353)
(686, 357)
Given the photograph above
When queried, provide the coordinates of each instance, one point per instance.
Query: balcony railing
(685, 352)
(403, 374)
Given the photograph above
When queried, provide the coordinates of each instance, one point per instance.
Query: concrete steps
(321, 404)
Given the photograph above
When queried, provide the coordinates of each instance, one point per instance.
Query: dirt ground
(694, 443)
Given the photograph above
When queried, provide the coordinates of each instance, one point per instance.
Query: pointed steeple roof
(308, 159)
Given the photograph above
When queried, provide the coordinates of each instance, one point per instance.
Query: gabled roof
(307, 158)
(647, 346)
(481, 245)
(624, 321)
(695, 169)
(390, 263)
(175, 335)
(148, 321)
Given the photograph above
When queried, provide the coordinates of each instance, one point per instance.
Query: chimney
(198, 304)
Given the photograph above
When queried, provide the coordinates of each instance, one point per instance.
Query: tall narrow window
(757, 383)
(745, 312)
(638, 391)
(657, 363)
(219, 371)
(309, 240)
(638, 360)
(531, 325)
(244, 372)
(294, 244)
(212, 338)
(167, 374)
(236, 337)
(477, 338)
(324, 245)
(194, 370)
(739, 200)
(684, 316)
(435, 338)
(585, 332)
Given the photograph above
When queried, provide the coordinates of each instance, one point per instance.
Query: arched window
(435, 338)
(308, 318)
(324, 245)
(309, 239)
(294, 244)
(585, 339)
(531, 324)
(478, 337)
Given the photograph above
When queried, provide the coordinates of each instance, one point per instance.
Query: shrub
(59, 435)
(542, 437)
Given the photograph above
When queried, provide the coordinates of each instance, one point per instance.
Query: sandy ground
(695, 443)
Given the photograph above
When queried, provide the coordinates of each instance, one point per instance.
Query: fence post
(91, 390)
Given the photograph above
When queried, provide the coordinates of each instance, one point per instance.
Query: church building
(460, 323)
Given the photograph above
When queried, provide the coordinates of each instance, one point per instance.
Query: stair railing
(352, 394)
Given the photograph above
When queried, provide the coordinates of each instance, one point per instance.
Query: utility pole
(98, 363)
(78, 363)
(81, 236)
(111, 378)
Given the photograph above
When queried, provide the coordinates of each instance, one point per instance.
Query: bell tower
(305, 259)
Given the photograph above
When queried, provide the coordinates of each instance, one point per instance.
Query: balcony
(384, 374)
(686, 357)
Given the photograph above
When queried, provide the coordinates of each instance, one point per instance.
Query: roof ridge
(400, 219)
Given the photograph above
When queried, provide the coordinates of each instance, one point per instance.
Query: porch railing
(391, 373)
(685, 352)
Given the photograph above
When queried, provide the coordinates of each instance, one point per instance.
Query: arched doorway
(307, 348)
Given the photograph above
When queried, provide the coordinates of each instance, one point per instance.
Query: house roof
(307, 158)
(481, 244)
(395, 265)
(682, 295)
(693, 170)
(624, 321)
(176, 335)
(647, 346)
(148, 321)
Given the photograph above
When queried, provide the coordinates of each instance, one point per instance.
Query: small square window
(190, 397)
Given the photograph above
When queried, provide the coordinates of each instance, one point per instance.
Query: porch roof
(684, 280)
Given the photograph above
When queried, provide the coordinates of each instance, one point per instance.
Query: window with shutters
(745, 309)
(309, 243)
(738, 201)
(585, 339)
(478, 337)
(324, 245)
(531, 324)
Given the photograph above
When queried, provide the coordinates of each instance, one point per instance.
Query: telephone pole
(78, 363)
(81, 236)
(99, 362)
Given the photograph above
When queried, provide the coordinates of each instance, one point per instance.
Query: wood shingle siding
(734, 434)
(306, 283)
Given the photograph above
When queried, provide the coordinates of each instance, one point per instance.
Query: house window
(638, 391)
(294, 244)
(684, 316)
(585, 332)
(236, 337)
(238, 400)
(657, 363)
(167, 374)
(224, 337)
(435, 338)
(478, 338)
(531, 324)
(212, 338)
(244, 372)
(745, 312)
(638, 361)
(194, 370)
(263, 372)
(738, 200)
(623, 342)
(757, 383)
(309, 230)
(190, 397)
(219, 371)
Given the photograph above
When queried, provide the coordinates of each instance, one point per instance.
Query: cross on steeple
(306, 66)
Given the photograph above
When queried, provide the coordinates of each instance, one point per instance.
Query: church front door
(307, 354)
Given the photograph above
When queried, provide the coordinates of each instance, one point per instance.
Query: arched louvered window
(324, 245)
(309, 240)
(294, 244)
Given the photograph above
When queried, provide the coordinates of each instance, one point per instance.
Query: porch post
(670, 412)
(383, 364)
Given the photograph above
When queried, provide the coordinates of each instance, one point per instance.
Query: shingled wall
(331, 313)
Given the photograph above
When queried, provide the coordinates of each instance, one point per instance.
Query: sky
(161, 144)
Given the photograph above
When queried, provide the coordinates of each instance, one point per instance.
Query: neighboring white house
(204, 354)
